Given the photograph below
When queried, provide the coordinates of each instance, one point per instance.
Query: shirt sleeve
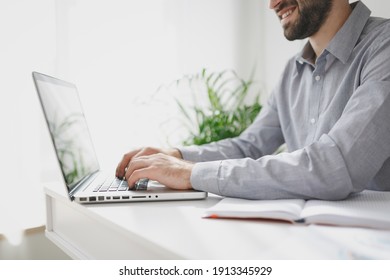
(341, 162)
(261, 138)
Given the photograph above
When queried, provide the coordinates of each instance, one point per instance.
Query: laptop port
(116, 197)
(83, 199)
(139, 196)
(100, 198)
(125, 197)
(92, 198)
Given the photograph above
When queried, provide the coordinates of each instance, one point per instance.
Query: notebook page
(284, 209)
(368, 208)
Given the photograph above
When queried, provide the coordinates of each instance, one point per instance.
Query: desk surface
(176, 230)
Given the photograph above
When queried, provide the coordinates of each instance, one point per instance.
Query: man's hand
(163, 165)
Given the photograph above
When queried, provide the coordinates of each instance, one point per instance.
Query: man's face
(301, 18)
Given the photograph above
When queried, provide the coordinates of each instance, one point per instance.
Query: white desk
(176, 230)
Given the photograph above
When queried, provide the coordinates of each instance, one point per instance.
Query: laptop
(84, 181)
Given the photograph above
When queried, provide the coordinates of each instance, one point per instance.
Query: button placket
(318, 79)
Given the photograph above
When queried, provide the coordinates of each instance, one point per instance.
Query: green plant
(227, 111)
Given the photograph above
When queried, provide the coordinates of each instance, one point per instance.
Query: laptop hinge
(83, 182)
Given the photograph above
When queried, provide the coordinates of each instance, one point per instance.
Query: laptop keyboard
(111, 184)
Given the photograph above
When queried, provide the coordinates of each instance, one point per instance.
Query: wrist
(175, 153)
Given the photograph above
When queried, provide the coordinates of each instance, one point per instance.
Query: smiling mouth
(289, 12)
(286, 13)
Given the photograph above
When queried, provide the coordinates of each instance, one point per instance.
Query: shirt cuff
(190, 153)
(204, 176)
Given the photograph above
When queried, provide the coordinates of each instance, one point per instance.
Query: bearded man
(331, 107)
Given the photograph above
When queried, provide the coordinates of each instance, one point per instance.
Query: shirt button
(312, 121)
(318, 78)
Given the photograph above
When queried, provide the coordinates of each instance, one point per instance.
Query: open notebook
(366, 209)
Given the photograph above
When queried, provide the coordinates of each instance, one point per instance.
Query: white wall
(379, 8)
(27, 31)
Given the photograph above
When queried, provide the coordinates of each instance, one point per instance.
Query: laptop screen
(68, 128)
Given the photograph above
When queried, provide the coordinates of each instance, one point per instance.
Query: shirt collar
(343, 43)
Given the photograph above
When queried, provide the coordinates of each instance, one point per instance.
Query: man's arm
(166, 165)
(261, 138)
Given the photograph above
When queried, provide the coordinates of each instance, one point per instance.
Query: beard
(311, 15)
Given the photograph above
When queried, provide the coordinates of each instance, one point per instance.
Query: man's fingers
(155, 164)
(136, 164)
(167, 170)
(140, 168)
(139, 174)
(120, 170)
(147, 151)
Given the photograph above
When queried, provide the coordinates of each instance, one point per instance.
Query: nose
(273, 3)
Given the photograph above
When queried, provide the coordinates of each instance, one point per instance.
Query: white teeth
(286, 14)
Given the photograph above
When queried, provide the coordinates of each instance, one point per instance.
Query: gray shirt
(333, 115)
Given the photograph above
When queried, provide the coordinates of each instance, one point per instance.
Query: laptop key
(104, 189)
(123, 188)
